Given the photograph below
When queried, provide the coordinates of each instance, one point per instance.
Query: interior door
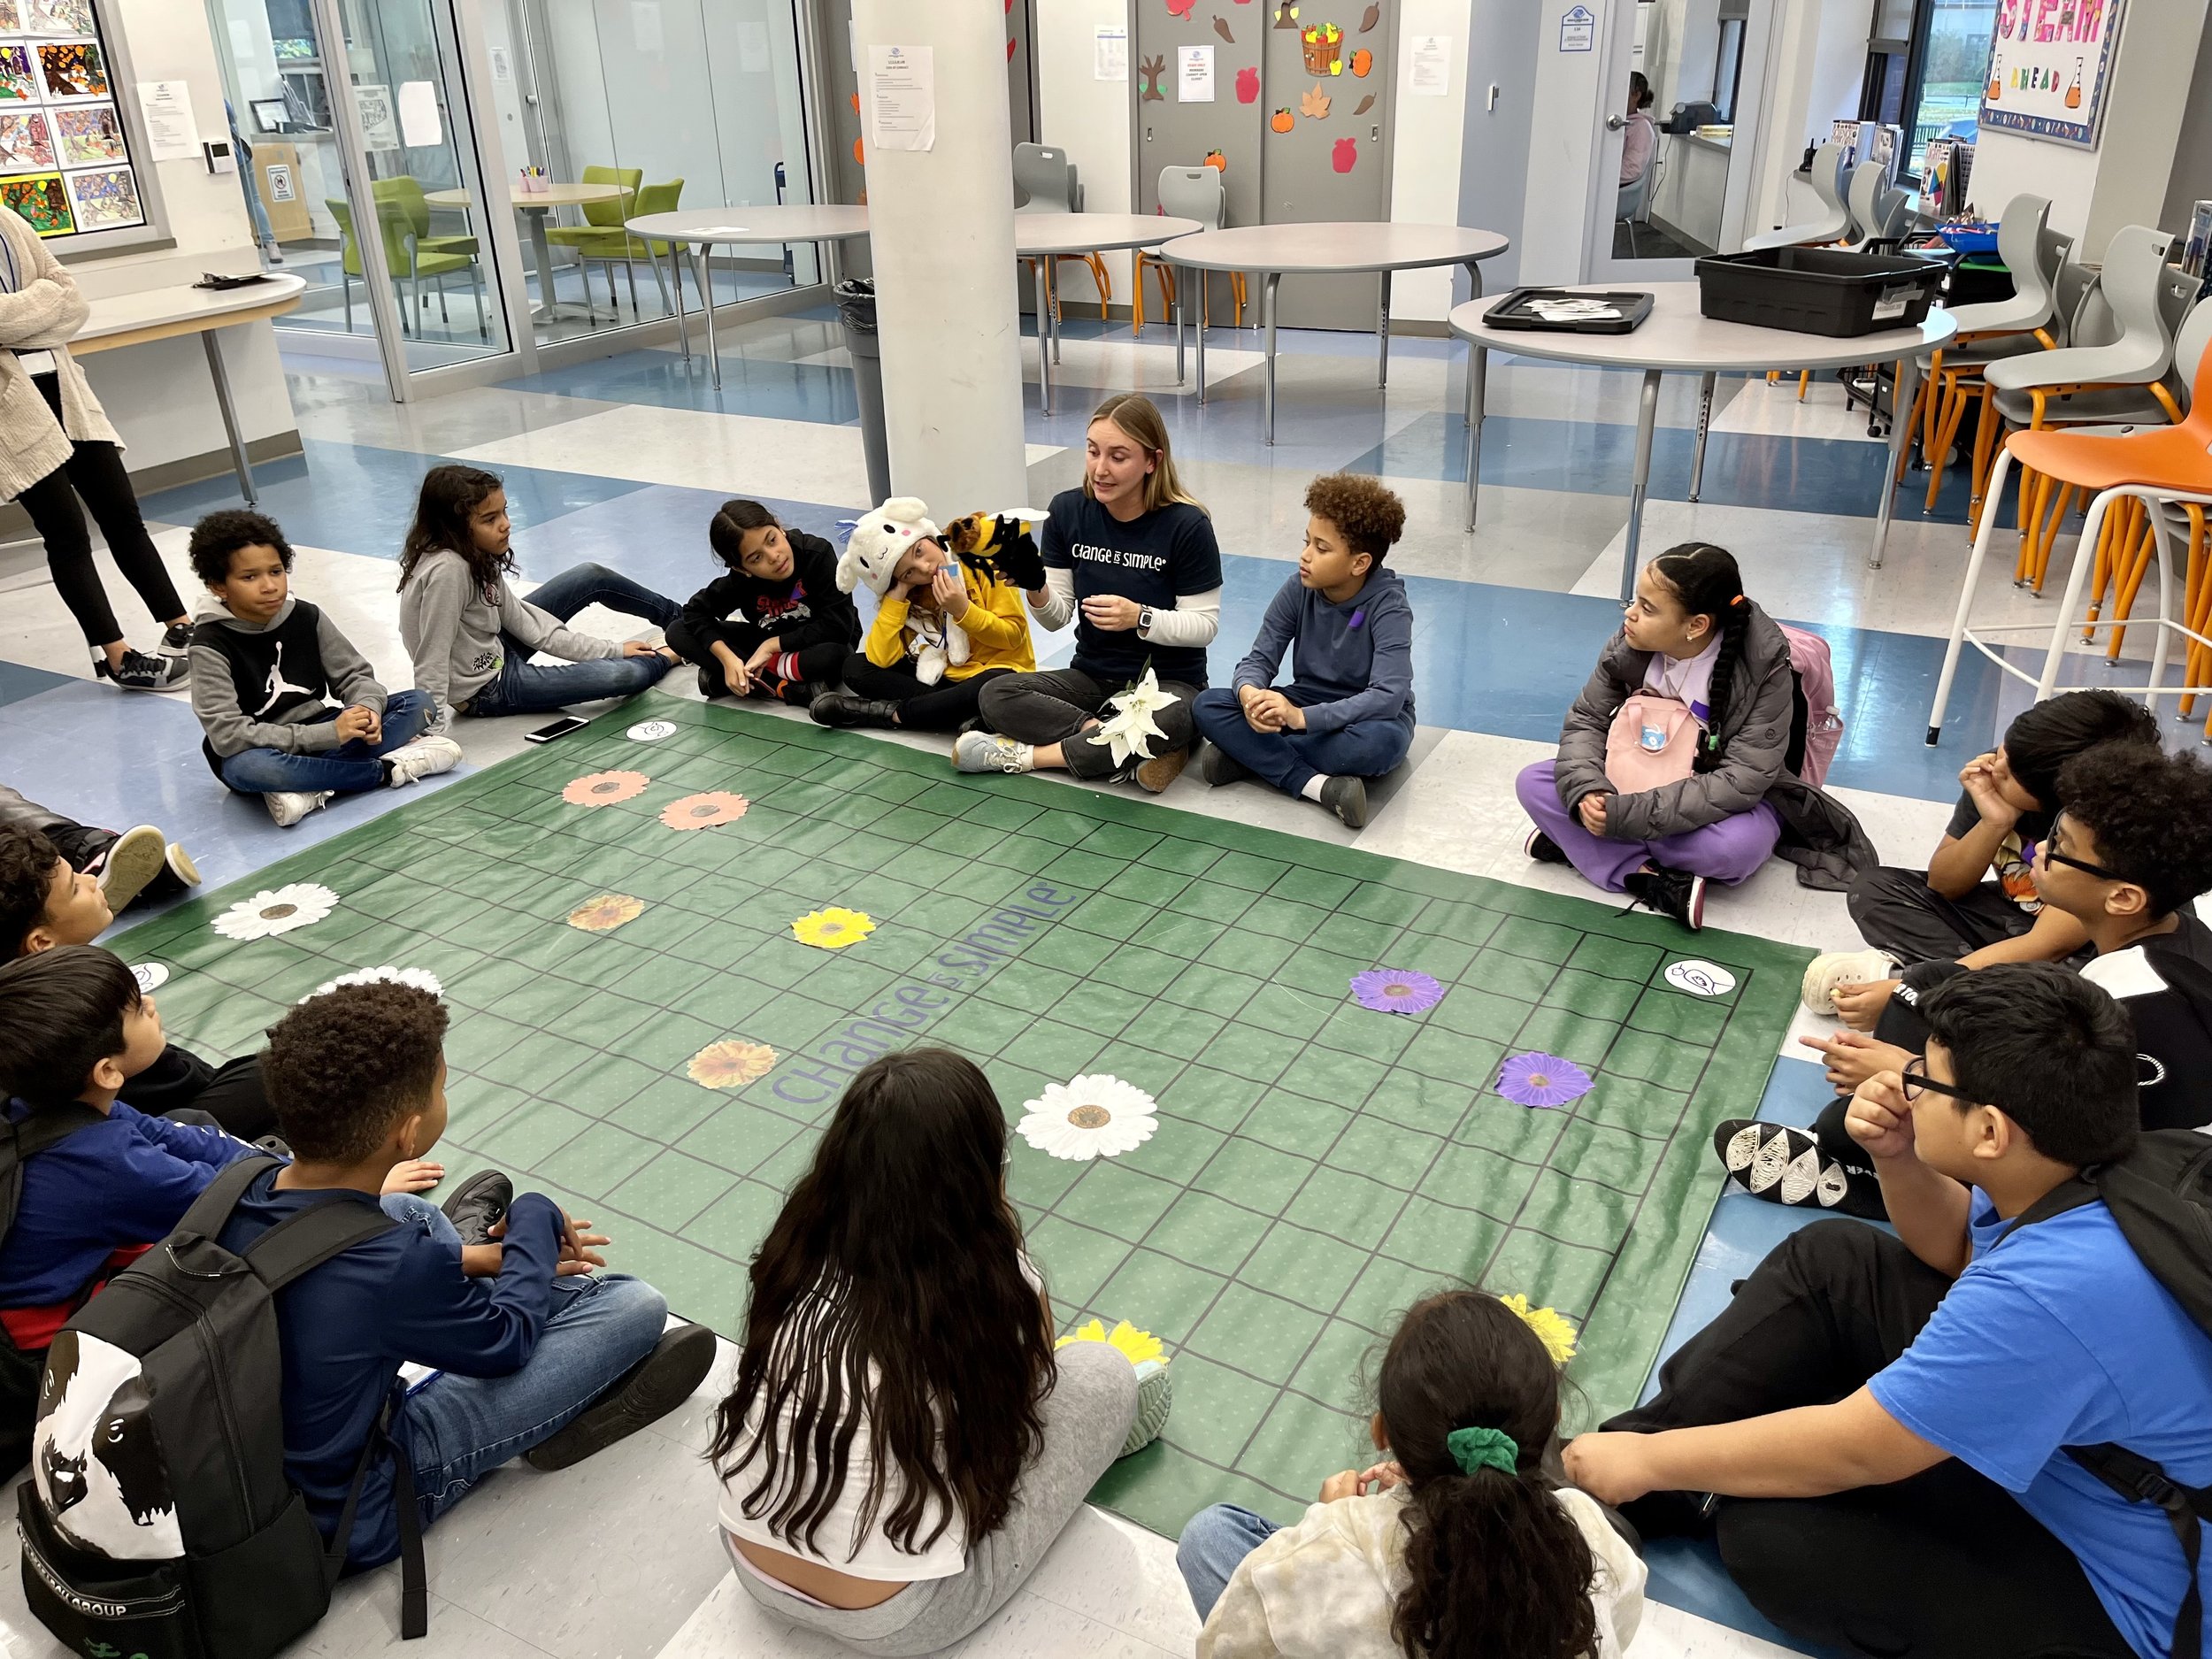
(1330, 79)
(1500, 115)
(1175, 129)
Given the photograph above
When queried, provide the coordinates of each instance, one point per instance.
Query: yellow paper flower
(1139, 1348)
(605, 913)
(1553, 1329)
(731, 1063)
(832, 928)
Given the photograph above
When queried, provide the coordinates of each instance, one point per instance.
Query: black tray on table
(1523, 308)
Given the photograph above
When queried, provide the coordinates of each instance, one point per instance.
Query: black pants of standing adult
(1945, 1565)
(94, 473)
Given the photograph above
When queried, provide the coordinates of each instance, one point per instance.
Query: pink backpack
(1818, 731)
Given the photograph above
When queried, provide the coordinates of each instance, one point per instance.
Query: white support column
(940, 225)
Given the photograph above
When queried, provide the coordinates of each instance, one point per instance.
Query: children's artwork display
(1262, 1093)
(66, 162)
(2047, 65)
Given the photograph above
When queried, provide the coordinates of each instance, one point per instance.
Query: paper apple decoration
(1344, 154)
(1282, 120)
(1248, 86)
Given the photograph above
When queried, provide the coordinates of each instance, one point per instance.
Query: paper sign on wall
(1194, 74)
(752, 47)
(171, 132)
(2048, 68)
(379, 127)
(1111, 53)
(503, 66)
(420, 127)
(902, 97)
(281, 186)
(1431, 66)
(1578, 30)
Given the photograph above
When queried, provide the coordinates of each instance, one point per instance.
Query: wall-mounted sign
(2047, 66)
(1578, 30)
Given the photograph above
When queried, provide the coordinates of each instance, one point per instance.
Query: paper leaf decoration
(651, 731)
(832, 928)
(704, 810)
(731, 1063)
(1364, 104)
(605, 913)
(1315, 105)
(1373, 17)
(1396, 990)
(1222, 30)
(1088, 1117)
(1699, 978)
(421, 978)
(1545, 1080)
(279, 910)
(605, 788)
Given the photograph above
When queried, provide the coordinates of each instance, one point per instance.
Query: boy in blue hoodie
(1347, 715)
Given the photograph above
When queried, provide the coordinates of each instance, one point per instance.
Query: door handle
(1614, 123)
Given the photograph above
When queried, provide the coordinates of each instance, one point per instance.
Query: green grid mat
(1316, 1167)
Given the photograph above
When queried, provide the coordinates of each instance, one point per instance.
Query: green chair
(423, 254)
(601, 238)
(618, 246)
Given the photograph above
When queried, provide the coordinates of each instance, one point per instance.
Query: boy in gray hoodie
(1347, 715)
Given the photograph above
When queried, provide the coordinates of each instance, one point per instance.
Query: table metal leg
(549, 310)
(1268, 300)
(1044, 342)
(1198, 327)
(1382, 338)
(683, 325)
(1900, 401)
(230, 418)
(1051, 268)
(1181, 286)
(1647, 418)
(1478, 373)
(1704, 425)
(703, 269)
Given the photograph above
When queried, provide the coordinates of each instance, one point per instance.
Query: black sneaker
(176, 639)
(142, 673)
(653, 1388)
(1789, 1167)
(841, 708)
(1543, 848)
(1346, 797)
(478, 1204)
(1674, 893)
(1219, 766)
(711, 685)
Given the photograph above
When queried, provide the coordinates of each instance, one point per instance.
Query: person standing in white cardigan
(57, 446)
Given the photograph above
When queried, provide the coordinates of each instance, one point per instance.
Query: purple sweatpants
(1728, 851)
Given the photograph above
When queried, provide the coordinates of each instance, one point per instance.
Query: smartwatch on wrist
(1144, 620)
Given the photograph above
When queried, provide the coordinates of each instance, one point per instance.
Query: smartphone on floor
(561, 728)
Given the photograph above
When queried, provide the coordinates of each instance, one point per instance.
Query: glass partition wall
(626, 107)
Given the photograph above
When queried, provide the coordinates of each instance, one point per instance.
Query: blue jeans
(1365, 748)
(350, 766)
(457, 1428)
(1214, 1542)
(522, 686)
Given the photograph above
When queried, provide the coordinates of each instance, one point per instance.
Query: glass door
(362, 179)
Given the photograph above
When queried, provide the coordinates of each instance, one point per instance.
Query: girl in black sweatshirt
(776, 625)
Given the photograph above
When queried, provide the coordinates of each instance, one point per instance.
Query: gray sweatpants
(1086, 1417)
(1050, 707)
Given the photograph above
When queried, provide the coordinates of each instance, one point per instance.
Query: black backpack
(2160, 1194)
(158, 1520)
(19, 1368)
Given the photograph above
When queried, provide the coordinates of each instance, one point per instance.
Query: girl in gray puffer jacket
(1673, 766)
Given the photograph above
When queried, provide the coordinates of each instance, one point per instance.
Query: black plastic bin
(1819, 290)
(857, 307)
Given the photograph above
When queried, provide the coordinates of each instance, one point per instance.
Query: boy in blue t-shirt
(535, 1356)
(1876, 1427)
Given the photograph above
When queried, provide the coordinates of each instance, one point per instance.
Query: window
(1925, 68)
(1728, 67)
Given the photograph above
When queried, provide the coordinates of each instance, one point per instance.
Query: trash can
(856, 304)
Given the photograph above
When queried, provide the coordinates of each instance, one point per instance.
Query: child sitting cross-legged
(1460, 1545)
(776, 624)
(536, 1355)
(1347, 715)
(265, 670)
(903, 1443)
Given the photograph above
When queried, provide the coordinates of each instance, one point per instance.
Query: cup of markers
(535, 181)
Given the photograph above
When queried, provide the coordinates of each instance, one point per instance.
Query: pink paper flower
(605, 788)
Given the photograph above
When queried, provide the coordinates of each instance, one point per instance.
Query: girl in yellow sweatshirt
(969, 617)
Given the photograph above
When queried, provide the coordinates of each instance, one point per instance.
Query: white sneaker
(987, 752)
(287, 807)
(1842, 967)
(424, 757)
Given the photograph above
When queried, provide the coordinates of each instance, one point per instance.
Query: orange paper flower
(704, 810)
(605, 913)
(605, 788)
(731, 1063)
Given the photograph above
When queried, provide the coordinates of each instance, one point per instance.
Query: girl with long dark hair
(472, 636)
(903, 1443)
(1681, 799)
(775, 625)
(1460, 1548)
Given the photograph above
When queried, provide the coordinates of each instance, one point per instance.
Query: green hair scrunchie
(1483, 1448)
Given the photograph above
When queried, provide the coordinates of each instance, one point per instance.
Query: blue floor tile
(768, 388)
(18, 682)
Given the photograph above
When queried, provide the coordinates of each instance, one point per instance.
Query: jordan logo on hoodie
(279, 684)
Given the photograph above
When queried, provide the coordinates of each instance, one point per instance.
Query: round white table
(1040, 236)
(537, 206)
(703, 229)
(1677, 335)
(1327, 248)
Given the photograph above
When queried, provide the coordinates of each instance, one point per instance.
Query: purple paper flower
(1542, 1079)
(1396, 990)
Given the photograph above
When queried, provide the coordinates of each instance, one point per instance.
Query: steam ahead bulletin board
(66, 162)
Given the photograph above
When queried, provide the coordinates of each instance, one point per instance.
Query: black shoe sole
(654, 1386)
(1219, 767)
(456, 1207)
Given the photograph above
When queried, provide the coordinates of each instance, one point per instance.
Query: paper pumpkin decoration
(1344, 154)
(1363, 60)
(1248, 86)
(1219, 162)
(1315, 107)
(1282, 120)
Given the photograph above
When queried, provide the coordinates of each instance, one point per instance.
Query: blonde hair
(1136, 414)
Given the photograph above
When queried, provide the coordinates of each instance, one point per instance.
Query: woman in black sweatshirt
(776, 625)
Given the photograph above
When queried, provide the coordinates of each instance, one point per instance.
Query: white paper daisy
(421, 978)
(1089, 1117)
(270, 912)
